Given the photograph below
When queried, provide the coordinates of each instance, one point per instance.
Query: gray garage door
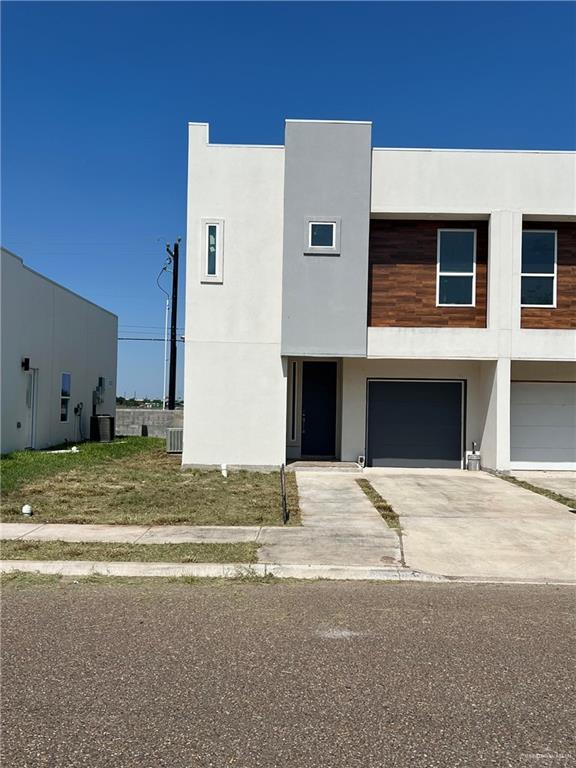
(414, 423)
(543, 425)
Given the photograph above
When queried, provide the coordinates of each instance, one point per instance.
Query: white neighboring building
(345, 301)
(58, 358)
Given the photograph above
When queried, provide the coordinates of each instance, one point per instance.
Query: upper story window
(65, 389)
(456, 268)
(539, 258)
(322, 234)
(212, 250)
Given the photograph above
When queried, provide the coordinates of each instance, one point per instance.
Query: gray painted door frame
(294, 404)
(462, 382)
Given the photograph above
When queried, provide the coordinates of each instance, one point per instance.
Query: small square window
(322, 234)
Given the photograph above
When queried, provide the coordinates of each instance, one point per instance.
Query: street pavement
(294, 675)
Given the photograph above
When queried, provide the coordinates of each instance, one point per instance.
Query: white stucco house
(395, 305)
(58, 359)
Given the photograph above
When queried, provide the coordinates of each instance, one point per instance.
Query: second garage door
(414, 423)
(543, 425)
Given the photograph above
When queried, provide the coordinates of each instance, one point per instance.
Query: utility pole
(174, 255)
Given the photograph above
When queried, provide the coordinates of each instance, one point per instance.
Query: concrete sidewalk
(132, 534)
(340, 526)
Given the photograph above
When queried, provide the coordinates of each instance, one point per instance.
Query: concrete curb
(214, 570)
(258, 570)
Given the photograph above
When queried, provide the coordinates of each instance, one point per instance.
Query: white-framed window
(65, 389)
(456, 268)
(321, 234)
(212, 250)
(539, 268)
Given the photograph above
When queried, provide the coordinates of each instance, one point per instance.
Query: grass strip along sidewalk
(568, 501)
(244, 552)
(386, 511)
(133, 481)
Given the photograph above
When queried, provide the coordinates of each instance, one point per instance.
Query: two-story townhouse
(399, 305)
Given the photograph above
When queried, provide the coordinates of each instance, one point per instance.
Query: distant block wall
(129, 421)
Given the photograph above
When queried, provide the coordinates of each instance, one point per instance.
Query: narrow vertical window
(456, 268)
(293, 404)
(65, 389)
(211, 255)
(538, 279)
(212, 250)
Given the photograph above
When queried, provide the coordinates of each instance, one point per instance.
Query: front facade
(394, 306)
(58, 360)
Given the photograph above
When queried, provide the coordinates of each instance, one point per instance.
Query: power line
(136, 338)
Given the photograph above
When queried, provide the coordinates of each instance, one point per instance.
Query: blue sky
(96, 98)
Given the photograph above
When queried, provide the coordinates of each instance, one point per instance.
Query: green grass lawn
(134, 481)
(243, 552)
(389, 515)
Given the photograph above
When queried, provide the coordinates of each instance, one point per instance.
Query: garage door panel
(414, 463)
(553, 456)
(550, 393)
(536, 438)
(543, 424)
(414, 424)
(552, 416)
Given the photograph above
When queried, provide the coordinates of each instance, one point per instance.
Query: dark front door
(414, 424)
(319, 408)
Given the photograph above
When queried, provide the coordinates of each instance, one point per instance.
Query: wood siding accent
(564, 314)
(402, 275)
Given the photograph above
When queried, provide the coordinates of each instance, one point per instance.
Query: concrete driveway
(459, 523)
(559, 482)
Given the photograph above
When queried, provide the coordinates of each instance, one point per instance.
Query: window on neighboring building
(65, 386)
(212, 251)
(538, 268)
(456, 268)
(322, 234)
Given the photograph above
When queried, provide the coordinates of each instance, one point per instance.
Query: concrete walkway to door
(340, 526)
(472, 524)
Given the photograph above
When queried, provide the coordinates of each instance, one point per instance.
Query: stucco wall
(235, 385)
(468, 181)
(327, 178)
(61, 333)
